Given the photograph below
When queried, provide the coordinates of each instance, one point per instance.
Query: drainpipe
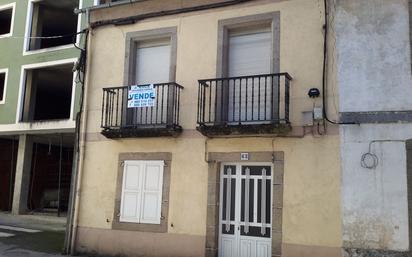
(82, 135)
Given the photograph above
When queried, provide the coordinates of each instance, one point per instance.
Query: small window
(6, 20)
(141, 196)
(3, 82)
(51, 18)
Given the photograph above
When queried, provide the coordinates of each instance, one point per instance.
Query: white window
(141, 197)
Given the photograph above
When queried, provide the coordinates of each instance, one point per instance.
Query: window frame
(6, 72)
(28, 26)
(257, 20)
(13, 14)
(143, 227)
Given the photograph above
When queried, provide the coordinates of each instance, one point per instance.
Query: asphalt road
(31, 236)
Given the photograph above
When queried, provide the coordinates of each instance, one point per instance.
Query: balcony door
(250, 53)
(152, 66)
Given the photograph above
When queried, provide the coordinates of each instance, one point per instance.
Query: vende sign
(141, 96)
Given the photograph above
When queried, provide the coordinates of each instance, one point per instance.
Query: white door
(246, 210)
(250, 53)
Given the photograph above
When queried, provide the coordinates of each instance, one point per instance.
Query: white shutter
(250, 54)
(131, 191)
(153, 62)
(141, 200)
(152, 192)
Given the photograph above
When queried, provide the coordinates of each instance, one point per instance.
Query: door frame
(214, 160)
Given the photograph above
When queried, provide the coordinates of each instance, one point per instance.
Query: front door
(246, 210)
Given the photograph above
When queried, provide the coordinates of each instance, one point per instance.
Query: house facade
(39, 101)
(154, 177)
(245, 128)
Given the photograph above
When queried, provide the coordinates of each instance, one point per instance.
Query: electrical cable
(370, 160)
(81, 73)
(325, 53)
(135, 18)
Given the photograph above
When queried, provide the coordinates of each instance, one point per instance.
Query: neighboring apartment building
(221, 152)
(39, 100)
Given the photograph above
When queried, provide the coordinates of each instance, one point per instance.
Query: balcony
(157, 116)
(257, 104)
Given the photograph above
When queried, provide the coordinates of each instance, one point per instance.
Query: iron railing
(164, 114)
(245, 100)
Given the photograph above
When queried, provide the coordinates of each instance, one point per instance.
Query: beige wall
(312, 175)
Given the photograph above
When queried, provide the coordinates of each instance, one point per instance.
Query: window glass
(2, 85)
(6, 16)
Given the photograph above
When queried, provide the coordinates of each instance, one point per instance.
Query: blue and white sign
(141, 96)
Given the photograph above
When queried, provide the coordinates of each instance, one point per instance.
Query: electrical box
(307, 118)
(318, 113)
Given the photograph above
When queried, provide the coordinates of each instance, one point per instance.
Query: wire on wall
(370, 160)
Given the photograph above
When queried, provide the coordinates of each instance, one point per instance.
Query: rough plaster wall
(410, 28)
(374, 201)
(374, 70)
(374, 74)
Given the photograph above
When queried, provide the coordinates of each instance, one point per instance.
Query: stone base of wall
(352, 252)
(119, 243)
(294, 250)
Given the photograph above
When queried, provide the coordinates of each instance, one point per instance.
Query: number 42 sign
(141, 96)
